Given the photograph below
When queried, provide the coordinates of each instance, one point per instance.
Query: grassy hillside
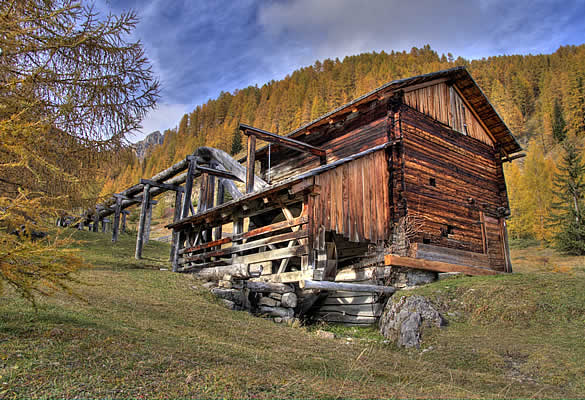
(143, 332)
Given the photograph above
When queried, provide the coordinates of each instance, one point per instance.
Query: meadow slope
(142, 332)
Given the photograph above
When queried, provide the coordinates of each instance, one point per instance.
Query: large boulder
(404, 321)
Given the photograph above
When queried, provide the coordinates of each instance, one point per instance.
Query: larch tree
(72, 86)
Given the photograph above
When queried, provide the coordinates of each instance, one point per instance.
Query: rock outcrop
(405, 320)
(154, 139)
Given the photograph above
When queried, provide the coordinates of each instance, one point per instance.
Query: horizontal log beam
(218, 173)
(272, 255)
(269, 287)
(282, 140)
(240, 271)
(339, 286)
(249, 245)
(165, 186)
(437, 266)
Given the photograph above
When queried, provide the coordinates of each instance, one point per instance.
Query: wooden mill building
(409, 175)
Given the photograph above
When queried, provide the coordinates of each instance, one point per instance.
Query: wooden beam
(282, 140)
(176, 217)
(116, 226)
(225, 161)
(438, 266)
(219, 173)
(142, 221)
(251, 160)
(124, 214)
(342, 286)
(188, 188)
(161, 185)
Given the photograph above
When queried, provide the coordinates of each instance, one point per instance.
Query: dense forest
(540, 97)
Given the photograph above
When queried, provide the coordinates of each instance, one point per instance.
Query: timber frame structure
(407, 176)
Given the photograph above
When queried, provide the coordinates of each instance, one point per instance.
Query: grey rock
(267, 301)
(153, 139)
(275, 296)
(229, 304)
(405, 320)
(289, 300)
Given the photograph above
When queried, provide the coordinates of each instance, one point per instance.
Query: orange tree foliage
(71, 87)
(524, 89)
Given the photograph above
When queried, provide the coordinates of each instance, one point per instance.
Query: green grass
(143, 332)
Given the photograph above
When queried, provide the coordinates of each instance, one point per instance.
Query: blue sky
(199, 48)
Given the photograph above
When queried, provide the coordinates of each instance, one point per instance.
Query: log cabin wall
(443, 103)
(354, 200)
(359, 131)
(454, 187)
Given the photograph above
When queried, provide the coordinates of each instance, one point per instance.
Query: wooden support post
(124, 213)
(176, 217)
(188, 188)
(142, 221)
(251, 160)
(148, 222)
(201, 203)
(220, 198)
(96, 219)
(116, 226)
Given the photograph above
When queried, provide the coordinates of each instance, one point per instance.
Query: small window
(426, 241)
(447, 231)
(433, 182)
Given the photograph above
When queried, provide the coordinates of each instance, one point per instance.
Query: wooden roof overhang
(294, 186)
(459, 76)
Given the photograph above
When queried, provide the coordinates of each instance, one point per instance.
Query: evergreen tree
(236, 142)
(558, 123)
(568, 213)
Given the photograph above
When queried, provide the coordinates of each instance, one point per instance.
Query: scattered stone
(324, 334)
(225, 284)
(267, 301)
(275, 296)
(229, 304)
(209, 285)
(163, 269)
(402, 278)
(228, 294)
(289, 300)
(447, 275)
(278, 320)
(404, 321)
(56, 332)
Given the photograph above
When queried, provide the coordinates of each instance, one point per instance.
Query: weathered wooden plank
(218, 173)
(367, 310)
(251, 160)
(355, 300)
(269, 287)
(438, 266)
(161, 185)
(281, 140)
(335, 286)
(346, 319)
(285, 277)
(248, 246)
(272, 255)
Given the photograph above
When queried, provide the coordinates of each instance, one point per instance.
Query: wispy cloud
(200, 48)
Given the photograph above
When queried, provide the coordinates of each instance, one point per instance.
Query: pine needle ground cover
(144, 333)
